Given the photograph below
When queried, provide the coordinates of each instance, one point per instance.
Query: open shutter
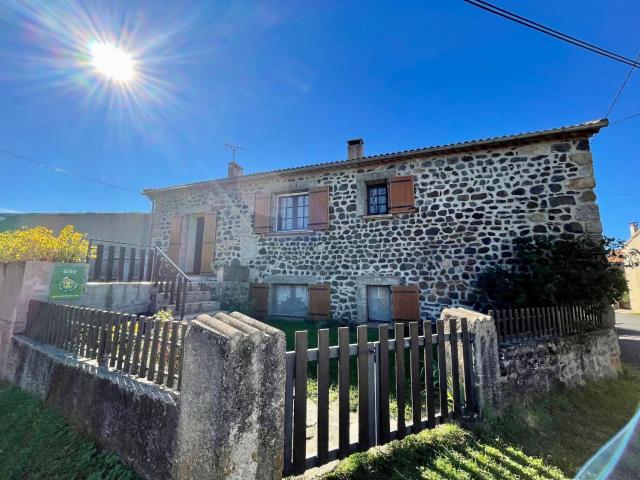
(319, 208)
(208, 242)
(405, 301)
(401, 199)
(175, 229)
(319, 302)
(262, 213)
(259, 299)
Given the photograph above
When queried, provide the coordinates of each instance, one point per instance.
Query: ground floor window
(291, 300)
(379, 303)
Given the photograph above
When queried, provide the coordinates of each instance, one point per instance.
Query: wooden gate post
(231, 417)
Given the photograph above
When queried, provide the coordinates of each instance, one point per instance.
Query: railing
(170, 281)
(112, 261)
(438, 378)
(518, 323)
(140, 346)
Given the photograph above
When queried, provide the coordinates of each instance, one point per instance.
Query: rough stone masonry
(471, 201)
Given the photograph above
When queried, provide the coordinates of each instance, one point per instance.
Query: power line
(551, 32)
(624, 84)
(625, 119)
(26, 159)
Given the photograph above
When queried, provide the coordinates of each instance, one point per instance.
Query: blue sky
(291, 82)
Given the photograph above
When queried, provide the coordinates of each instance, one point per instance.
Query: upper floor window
(377, 199)
(293, 212)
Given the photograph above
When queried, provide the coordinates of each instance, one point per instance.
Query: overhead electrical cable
(78, 176)
(552, 32)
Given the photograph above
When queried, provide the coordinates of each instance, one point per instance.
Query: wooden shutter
(319, 208)
(401, 199)
(405, 300)
(208, 242)
(319, 302)
(175, 230)
(259, 299)
(262, 213)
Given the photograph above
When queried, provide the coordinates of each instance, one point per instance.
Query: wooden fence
(518, 323)
(140, 346)
(431, 373)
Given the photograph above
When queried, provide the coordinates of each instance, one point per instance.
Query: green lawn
(37, 443)
(547, 437)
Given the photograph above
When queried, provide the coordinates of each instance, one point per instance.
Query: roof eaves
(589, 128)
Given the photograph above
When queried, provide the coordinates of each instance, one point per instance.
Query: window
(377, 203)
(379, 303)
(293, 212)
(291, 300)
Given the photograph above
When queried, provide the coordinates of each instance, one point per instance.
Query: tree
(545, 272)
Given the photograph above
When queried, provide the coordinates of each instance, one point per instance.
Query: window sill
(382, 216)
(290, 233)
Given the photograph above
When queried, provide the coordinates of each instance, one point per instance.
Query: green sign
(67, 281)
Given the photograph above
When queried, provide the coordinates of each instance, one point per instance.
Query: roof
(586, 128)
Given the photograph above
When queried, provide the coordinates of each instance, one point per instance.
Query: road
(628, 328)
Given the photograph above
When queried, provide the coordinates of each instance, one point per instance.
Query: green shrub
(547, 272)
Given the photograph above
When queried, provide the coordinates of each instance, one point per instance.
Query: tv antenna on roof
(234, 149)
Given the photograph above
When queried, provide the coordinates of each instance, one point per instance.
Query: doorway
(197, 250)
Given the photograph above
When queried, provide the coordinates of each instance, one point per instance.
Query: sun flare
(112, 62)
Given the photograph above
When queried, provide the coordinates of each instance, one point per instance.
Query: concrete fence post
(231, 418)
(485, 355)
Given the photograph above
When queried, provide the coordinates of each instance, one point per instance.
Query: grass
(448, 452)
(550, 436)
(37, 443)
(568, 426)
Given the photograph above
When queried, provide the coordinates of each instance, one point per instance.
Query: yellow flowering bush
(39, 243)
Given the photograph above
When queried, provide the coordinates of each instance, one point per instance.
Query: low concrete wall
(538, 365)
(134, 419)
(125, 297)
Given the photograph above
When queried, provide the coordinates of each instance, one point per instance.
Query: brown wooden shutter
(405, 300)
(319, 302)
(208, 242)
(175, 230)
(401, 199)
(262, 213)
(259, 299)
(319, 208)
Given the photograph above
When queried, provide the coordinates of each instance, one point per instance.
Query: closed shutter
(208, 242)
(175, 230)
(319, 208)
(401, 199)
(405, 301)
(259, 299)
(262, 213)
(319, 302)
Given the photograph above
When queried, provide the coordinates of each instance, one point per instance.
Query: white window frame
(293, 194)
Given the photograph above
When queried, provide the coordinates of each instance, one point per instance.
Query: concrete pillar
(485, 355)
(231, 420)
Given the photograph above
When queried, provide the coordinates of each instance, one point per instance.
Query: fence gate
(373, 391)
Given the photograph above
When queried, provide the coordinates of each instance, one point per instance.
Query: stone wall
(134, 419)
(469, 208)
(538, 365)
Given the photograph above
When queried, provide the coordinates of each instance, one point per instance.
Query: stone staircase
(199, 299)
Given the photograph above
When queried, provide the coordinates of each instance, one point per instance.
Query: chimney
(633, 227)
(234, 170)
(355, 148)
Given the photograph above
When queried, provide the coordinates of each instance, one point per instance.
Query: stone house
(396, 236)
(632, 273)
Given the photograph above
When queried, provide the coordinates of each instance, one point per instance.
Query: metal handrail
(175, 284)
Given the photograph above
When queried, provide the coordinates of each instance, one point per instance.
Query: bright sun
(112, 62)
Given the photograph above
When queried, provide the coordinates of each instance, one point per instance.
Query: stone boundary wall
(538, 365)
(136, 420)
